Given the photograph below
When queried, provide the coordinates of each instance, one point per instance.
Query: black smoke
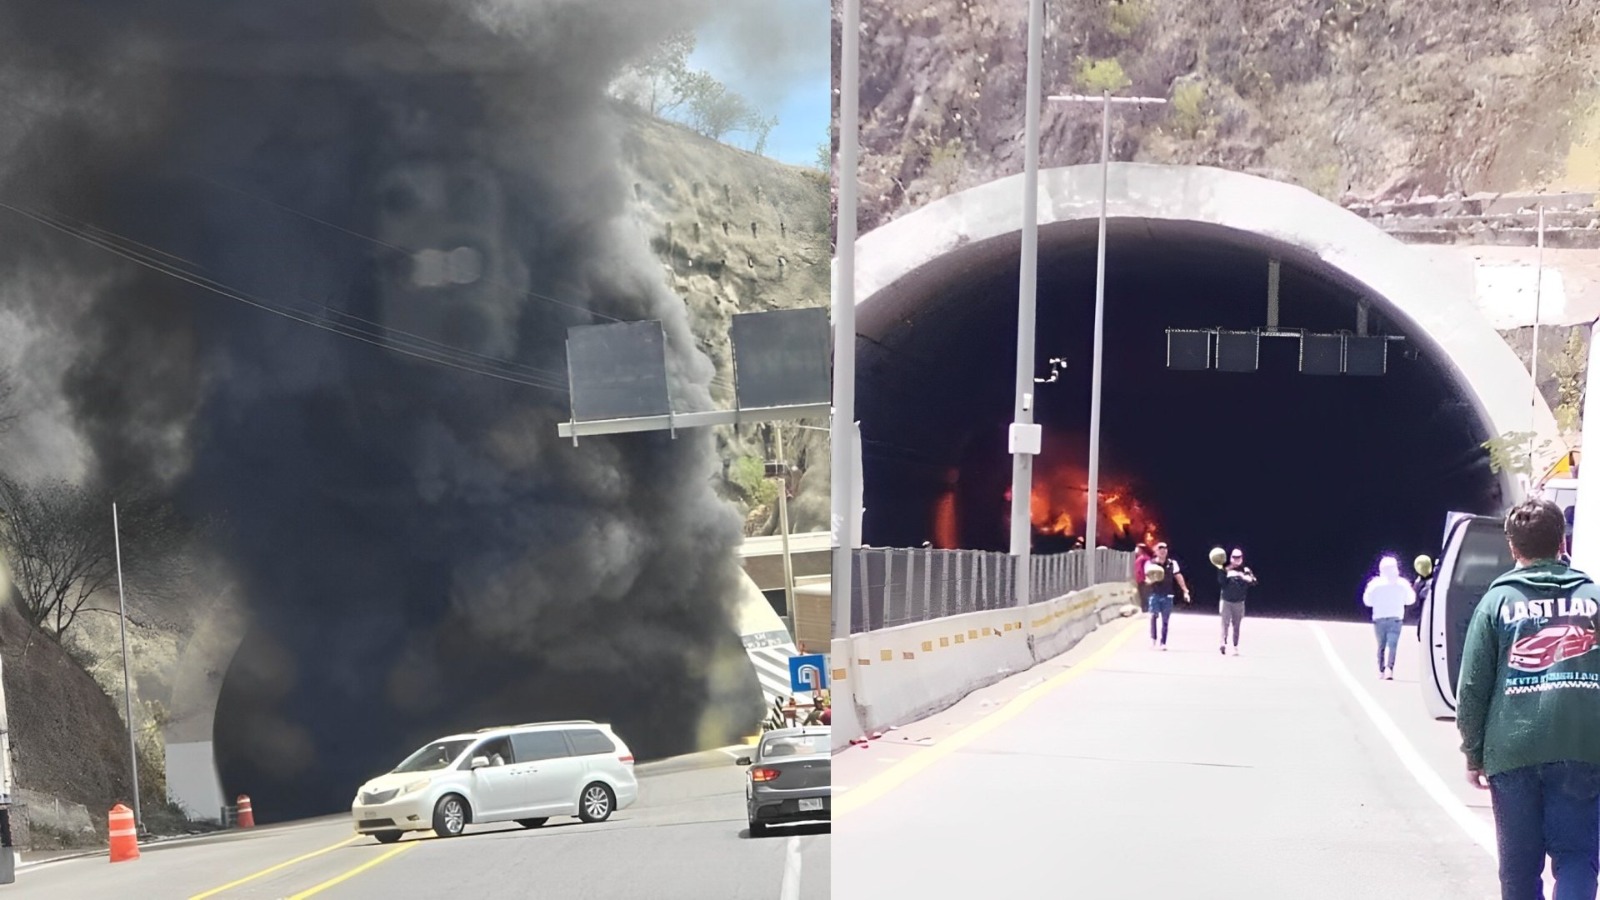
(431, 190)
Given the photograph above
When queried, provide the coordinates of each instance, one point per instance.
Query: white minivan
(514, 773)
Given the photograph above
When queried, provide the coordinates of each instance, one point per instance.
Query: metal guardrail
(901, 586)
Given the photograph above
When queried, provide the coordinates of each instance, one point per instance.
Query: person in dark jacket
(1160, 592)
(1236, 580)
(1528, 709)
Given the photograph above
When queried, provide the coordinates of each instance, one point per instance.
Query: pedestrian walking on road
(1141, 558)
(1388, 595)
(1161, 575)
(1528, 701)
(1236, 580)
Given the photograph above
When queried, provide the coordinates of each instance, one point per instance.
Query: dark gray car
(790, 778)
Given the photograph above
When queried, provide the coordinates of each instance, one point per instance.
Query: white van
(514, 773)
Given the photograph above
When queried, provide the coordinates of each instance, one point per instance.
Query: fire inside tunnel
(1314, 477)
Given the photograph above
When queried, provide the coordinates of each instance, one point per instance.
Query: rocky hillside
(69, 746)
(1354, 99)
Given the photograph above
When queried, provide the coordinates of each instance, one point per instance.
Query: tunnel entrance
(1315, 477)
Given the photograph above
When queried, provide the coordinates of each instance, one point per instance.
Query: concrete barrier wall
(899, 675)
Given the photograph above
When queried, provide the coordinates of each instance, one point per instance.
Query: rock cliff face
(1354, 99)
(737, 233)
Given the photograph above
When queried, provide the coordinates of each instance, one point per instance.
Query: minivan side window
(532, 746)
(589, 742)
(497, 750)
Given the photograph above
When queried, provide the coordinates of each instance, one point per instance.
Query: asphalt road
(1118, 771)
(684, 840)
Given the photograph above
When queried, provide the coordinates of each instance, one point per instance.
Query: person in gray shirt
(1236, 580)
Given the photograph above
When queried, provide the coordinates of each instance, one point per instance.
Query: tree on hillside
(654, 84)
(58, 542)
(1515, 452)
(664, 85)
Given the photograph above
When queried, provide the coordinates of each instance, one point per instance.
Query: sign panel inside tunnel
(1366, 356)
(1188, 351)
(1322, 354)
(618, 370)
(782, 358)
(1238, 351)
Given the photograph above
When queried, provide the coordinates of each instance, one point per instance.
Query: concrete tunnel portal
(1314, 476)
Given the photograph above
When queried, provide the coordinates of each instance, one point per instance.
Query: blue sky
(776, 53)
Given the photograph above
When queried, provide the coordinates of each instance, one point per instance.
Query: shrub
(1098, 76)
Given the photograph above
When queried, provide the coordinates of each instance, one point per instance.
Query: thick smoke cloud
(419, 551)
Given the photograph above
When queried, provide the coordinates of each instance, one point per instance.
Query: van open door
(1474, 554)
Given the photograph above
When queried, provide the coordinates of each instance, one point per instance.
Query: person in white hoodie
(1388, 595)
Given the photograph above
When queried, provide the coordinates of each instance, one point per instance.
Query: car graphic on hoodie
(1549, 645)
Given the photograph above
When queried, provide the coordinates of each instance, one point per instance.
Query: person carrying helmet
(1236, 580)
(1166, 573)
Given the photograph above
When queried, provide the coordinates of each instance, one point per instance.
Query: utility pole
(1092, 516)
(1025, 437)
(842, 446)
(782, 471)
(8, 854)
(127, 681)
(1533, 405)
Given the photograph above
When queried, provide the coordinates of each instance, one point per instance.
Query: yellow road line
(268, 871)
(340, 879)
(900, 772)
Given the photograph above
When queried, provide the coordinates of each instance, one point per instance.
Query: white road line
(791, 871)
(1477, 829)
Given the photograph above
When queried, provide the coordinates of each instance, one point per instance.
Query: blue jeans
(1388, 640)
(1160, 608)
(1550, 809)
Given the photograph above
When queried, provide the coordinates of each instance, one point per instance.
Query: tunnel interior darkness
(1315, 477)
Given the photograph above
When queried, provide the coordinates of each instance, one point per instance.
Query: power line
(384, 341)
(397, 248)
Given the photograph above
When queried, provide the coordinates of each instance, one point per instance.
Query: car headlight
(415, 786)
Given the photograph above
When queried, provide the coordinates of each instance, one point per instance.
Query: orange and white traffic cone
(246, 815)
(124, 834)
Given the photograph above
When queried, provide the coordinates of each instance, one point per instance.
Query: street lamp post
(127, 678)
(844, 320)
(1092, 510)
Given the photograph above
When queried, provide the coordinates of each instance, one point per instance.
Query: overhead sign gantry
(618, 380)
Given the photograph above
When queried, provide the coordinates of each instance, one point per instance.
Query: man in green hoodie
(1528, 708)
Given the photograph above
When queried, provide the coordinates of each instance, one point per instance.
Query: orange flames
(945, 536)
(1059, 506)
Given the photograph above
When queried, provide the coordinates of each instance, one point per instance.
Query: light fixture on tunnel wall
(1238, 351)
(1188, 350)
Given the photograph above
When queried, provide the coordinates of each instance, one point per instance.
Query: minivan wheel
(596, 803)
(450, 816)
(532, 823)
(386, 837)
